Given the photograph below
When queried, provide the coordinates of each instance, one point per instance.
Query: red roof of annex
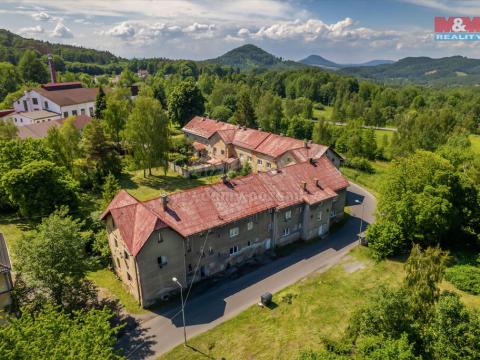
(251, 139)
(198, 209)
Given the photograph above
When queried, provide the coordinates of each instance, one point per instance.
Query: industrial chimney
(53, 73)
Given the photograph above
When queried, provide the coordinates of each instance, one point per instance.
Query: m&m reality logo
(457, 28)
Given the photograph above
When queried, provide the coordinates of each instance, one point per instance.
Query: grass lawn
(370, 181)
(158, 183)
(113, 287)
(326, 112)
(321, 306)
(475, 139)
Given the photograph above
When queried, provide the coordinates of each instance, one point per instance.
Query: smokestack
(51, 65)
(164, 198)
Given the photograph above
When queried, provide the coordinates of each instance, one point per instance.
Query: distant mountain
(249, 57)
(317, 60)
(12, 47)
(453, 70)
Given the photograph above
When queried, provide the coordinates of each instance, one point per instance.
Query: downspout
(139, 286)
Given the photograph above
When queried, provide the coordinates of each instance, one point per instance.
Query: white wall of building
(85, 108)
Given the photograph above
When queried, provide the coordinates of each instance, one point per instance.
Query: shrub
(359, 164)
(464, 277)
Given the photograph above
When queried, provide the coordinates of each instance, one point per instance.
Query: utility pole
(175, 280)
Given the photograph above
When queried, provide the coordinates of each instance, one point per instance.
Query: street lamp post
(175, 280)
(361, 218)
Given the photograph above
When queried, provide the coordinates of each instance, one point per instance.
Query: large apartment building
(219, 225)
(263, 150)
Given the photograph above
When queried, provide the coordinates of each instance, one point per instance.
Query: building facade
(263, 151)
(220, 225)
(6, 283)
(58, 100)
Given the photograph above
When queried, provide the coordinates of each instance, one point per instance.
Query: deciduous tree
(147, 133)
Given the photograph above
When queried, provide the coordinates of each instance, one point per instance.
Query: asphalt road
(160, 333)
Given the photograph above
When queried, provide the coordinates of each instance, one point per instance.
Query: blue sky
(345, 31)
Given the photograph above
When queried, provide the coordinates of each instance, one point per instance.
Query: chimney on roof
(225, 178)
(259, 129)
(312, 161)
(303, 185)
(51, 65)
(164, 198)
(317, 183)
(281, 134)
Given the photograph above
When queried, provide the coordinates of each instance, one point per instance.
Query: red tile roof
(255, 140)
(6, 112)
(205, 207)
(206, 127)
(198, 146)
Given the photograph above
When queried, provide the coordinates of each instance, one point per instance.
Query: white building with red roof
(219, 225)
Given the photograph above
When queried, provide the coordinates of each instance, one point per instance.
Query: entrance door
(321, 230)
(268, 244)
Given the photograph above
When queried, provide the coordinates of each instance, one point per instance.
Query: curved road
(163, 331)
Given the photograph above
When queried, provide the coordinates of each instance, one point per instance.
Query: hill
(453, 70)
(250, 57)
(12, 47)
(317, 60)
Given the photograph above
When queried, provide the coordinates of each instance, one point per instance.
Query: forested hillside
(454, 70)
(249, 57)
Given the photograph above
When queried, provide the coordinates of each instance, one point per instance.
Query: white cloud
(313, 29)
(196, 27)
(31, 30)
(123, 30)
(42, 16)
(61, 31)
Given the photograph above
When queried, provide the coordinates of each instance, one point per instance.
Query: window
(74, 112)
(286, 232)
(259, 162)
(129, 277)
(222, 152)
(125, 255)
(288, 214)
(90, 110)
(25, 107)
(35, 101)
(118, 262)
(333, 213)
(234, 249)
(65, 114)
(210, 250)
(319, 216)
(82, 111)
(45, 104)
(115, 240)
(160, 237)
(234, 232)
(162, 261)
(249, 243)
(250, 225)
(250, 158)
(269, 165)
(214, 150)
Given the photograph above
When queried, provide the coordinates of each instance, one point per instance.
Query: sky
(345, 31)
